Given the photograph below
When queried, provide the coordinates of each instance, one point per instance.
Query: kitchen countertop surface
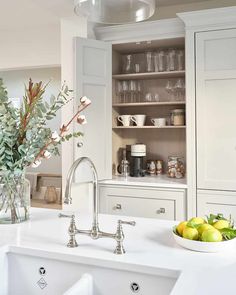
(150, 247)
(148, 181)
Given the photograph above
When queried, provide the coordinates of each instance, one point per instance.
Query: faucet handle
(120, 222)
(120, 236)
(72, 230)
(60, 215)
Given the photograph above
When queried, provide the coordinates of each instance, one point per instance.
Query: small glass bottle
(124, 166)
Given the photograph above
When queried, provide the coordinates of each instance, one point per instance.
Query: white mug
(124, 119)
(159, 122)
(139, 120)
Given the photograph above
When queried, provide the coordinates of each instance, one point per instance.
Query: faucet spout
(69, 181)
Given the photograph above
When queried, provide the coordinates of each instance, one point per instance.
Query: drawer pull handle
(161, 211)
(117, 207)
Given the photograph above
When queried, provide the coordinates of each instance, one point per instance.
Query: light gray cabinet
(216, 121)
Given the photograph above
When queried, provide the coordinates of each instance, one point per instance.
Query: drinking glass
(180, 60)
(161, 61)
(179, 89)
(149, 62)
(171, 59)
(148, 97)
(156, 61)
(139, 91)
(127, 63)
(125, 91)
(170, 90)
(132, 90)
(119, 91)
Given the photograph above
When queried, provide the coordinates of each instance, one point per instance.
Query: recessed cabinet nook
(206, 141)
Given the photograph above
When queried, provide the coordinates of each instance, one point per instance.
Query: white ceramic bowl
(199, 246)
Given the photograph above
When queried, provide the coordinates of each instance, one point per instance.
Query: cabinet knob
(80, 144)
(117, 207)
(161, 211)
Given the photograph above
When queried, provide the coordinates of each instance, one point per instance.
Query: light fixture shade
(115, 11)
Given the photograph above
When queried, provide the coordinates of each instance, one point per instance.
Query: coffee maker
(138, 153)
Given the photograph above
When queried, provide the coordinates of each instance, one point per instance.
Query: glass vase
(14, 199)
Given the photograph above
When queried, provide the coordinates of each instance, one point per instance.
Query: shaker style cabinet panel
(216, 109)
(143, 202)
(216, 202)
(93, 78)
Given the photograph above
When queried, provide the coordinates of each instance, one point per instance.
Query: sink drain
(134, 287)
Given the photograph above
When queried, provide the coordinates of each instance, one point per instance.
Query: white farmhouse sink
(26, 271)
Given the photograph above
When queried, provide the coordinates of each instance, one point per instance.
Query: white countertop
(149, 245)
(161, 181)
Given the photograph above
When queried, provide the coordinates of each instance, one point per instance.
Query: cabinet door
(93, 76)
(216, 109)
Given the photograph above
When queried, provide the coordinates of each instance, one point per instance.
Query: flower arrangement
(25, 138)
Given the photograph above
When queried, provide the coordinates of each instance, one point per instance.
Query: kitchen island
(152, 255)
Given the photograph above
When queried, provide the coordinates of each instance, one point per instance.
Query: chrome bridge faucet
(94, 232)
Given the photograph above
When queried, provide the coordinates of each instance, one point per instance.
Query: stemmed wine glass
(179, 90)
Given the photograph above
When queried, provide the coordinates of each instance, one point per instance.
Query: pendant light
(115, 11)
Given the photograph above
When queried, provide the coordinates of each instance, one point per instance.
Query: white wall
(170, 11)
(30, 47)
(70, 28)
(15, 80)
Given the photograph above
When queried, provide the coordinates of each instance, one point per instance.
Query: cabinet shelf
(149, 127)
(144, 104)
(151, 75)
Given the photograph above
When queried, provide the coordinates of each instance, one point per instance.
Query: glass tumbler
(149, 62)
(180, 60)
(171, 60)
(160, 61)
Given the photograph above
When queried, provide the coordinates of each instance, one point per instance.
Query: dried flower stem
(62, 131)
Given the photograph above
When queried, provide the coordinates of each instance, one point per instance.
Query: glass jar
(14, 199)
(175, 167)
(151, 167)
(159, 167)
(178, 117)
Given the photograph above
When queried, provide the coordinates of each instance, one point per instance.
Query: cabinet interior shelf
(149, 127)
(151, 75)
(143, 104)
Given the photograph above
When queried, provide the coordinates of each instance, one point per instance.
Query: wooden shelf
(149, 127)
(152, 75)
(144, 104)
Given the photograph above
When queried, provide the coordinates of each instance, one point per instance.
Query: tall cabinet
(212, 101)
(216, 121)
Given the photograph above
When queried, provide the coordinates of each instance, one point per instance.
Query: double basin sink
(29, 271)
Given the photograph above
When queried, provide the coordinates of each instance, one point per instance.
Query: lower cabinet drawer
(151, 208)
(160, 203)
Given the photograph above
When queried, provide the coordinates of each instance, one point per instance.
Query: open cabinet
(142, 86)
